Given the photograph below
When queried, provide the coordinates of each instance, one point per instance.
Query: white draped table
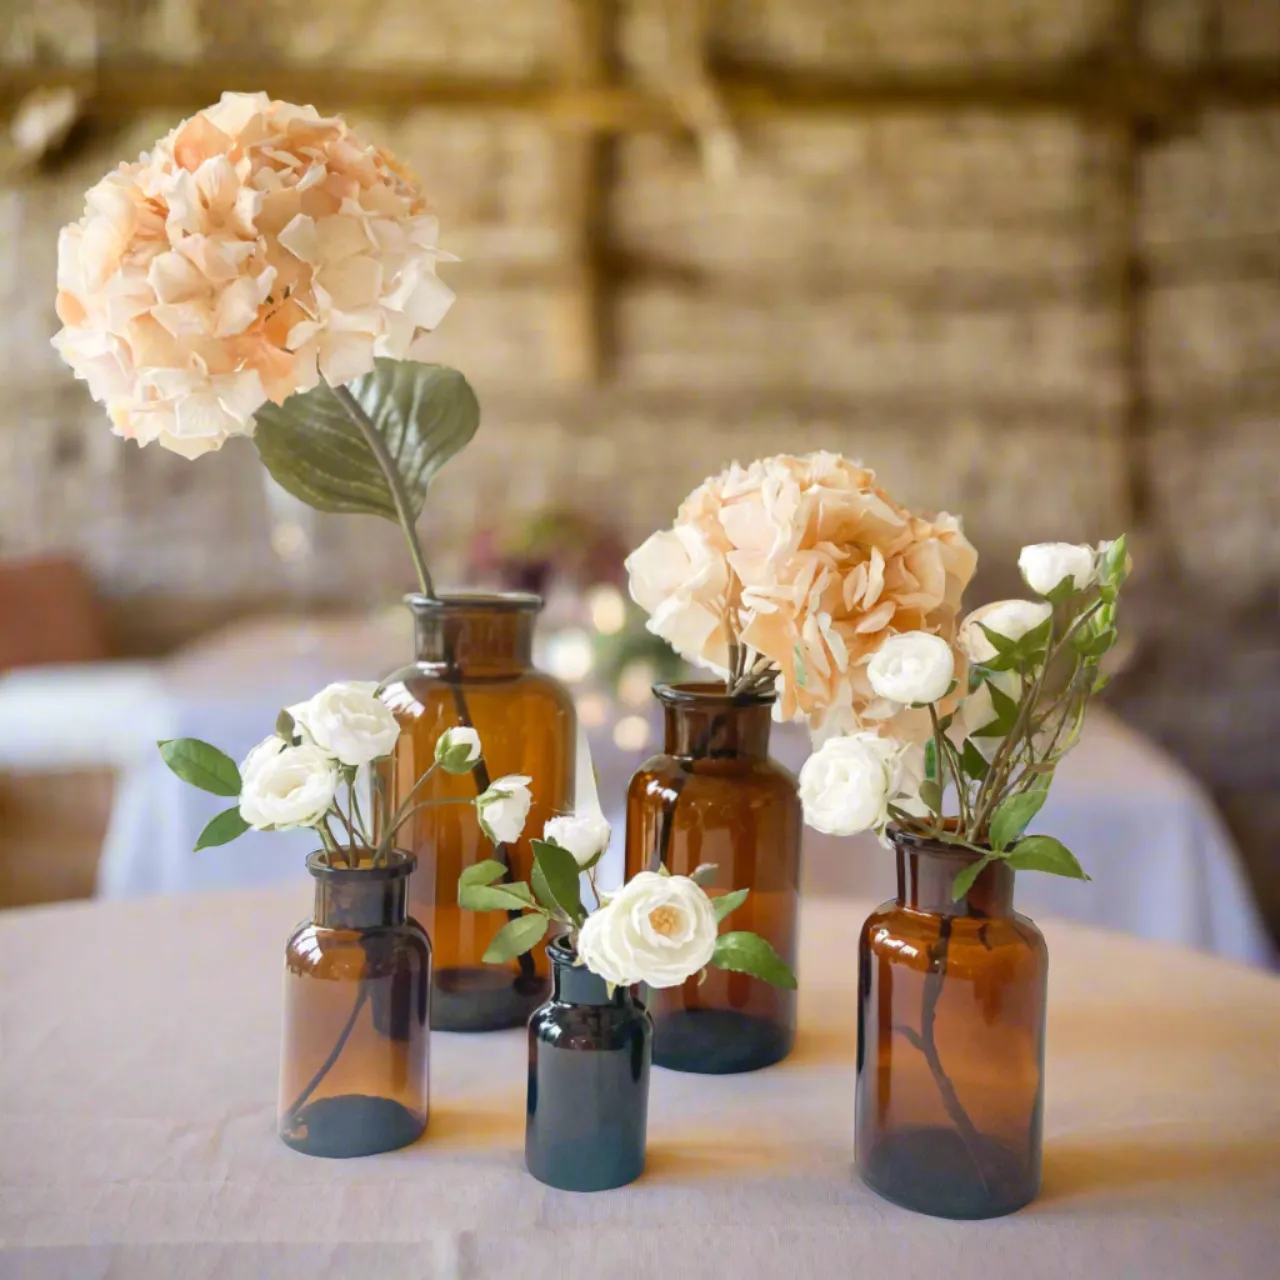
(138, 1048)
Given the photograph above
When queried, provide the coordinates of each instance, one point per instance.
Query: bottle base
(932, 1171)
(481, 999)
(574, 1166)
(718, 1042)
(352, 1124)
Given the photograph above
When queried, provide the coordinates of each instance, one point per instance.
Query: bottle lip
(560, 952)
(489, 601)
(709, 694)
(399, 865)
(916, 843)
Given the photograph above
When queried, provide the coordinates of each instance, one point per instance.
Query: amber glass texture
(951, 1013)
(714, 795)
(354, 1059)
(590, 1051)
(474, 665)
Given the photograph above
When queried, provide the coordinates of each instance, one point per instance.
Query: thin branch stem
(395, 482)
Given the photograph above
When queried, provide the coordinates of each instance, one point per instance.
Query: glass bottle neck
(576, 984)
(361, 897)
(703, 722)
(926, 873)
(477, 636)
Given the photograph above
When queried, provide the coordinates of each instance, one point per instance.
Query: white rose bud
(846, 786)
(283, 786)
(349, 722)
(1009, 618)
(656, 929)
(457, 750)
(912, 667)
(585, 835)
(504, 808)
(1045, 566)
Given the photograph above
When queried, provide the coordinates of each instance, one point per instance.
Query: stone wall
(936, 294)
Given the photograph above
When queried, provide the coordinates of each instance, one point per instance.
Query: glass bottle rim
(488, 601)
(914, 842)
(693, 694)
(399, 865)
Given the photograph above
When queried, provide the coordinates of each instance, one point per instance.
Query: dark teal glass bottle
(589, 1059)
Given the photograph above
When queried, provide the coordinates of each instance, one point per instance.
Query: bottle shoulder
(417, 689)
(663, 772)
(900, 934)
(560, 1025)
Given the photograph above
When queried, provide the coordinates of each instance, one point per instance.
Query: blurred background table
(137, 1127)
(1163, 864)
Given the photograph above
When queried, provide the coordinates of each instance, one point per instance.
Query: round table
(138, 1046)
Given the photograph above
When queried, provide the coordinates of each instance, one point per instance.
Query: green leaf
(704, 874)
(797, 659)
(750, 953)
(662, 869)
(728, 902)
(1010, 820)
(482, 873)
(515, 938)
(967, 875)
(931, 794)
(541, 891)
(201, 765)
(425, 413)
(931, 759)
(1100, 683)
(1001, 644)
(1005, 708)
(973, 762)
(223, 829)
(1093, 644)
(495, 897)
(1044, 853)
(1032, 644)
(560, 871)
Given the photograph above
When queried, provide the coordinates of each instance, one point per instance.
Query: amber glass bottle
(951, 1010)
(474, 665)
(354, 1065)
(715, 796)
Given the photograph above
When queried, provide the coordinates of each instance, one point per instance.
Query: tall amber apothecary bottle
(474, 665)
(715, 796)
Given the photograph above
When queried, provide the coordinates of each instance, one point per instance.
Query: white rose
(1046, 565)
(912, 667)
(458, 749)
(283, 786)
(1009, 618)
(585, 835)
(680, 580)
(349, 722)
(846, 786)
(656, 929)
(504, 808)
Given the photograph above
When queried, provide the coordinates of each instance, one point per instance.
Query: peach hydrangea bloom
(810, 566)
(259, 247)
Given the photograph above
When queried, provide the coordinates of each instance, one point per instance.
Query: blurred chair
(52, 822)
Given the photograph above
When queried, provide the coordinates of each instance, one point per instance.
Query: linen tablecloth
(137, 1128)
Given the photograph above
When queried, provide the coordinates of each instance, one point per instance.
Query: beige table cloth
(138, 1050)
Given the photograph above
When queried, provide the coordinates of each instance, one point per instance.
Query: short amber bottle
(474, 665)
(715, 796)
(354, 1060)
(951, 1013)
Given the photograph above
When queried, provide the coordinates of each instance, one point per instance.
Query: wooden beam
(1101, 90)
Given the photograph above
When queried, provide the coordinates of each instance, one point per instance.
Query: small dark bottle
(951, 1012)
(354, 1060)
(589, 1057)
(474, 659)
(714, 795)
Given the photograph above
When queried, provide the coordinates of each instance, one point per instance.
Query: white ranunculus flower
(585, 835)
(1009, 618)
(846, 786)
(504, 808)
(912, 667)
(656, 929)
(680, 580)
(458, 749)
(283, 786)
(1046, 565)
(348, 721)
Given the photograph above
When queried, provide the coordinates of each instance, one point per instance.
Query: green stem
(395, 482)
